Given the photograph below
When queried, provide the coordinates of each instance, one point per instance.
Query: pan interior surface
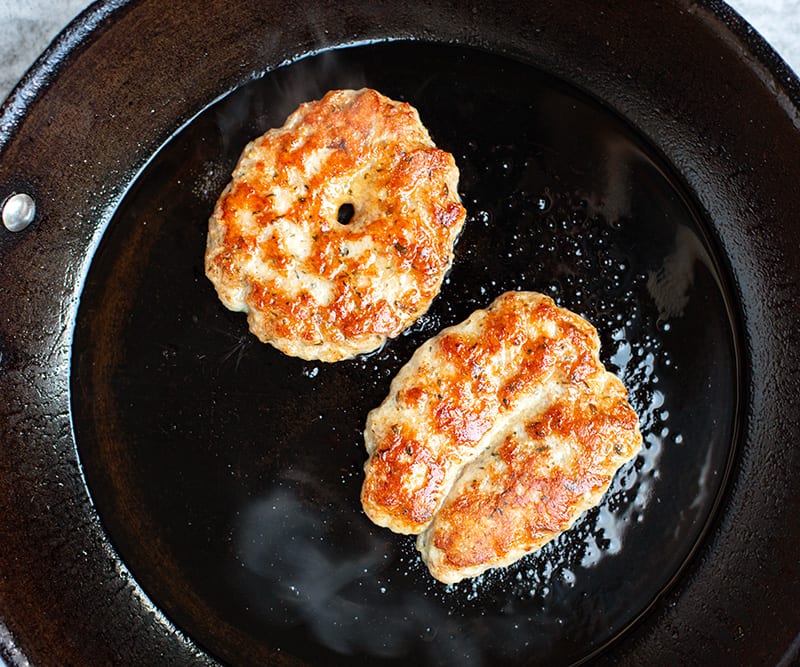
(227, 475)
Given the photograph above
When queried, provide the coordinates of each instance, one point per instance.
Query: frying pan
(174, 493)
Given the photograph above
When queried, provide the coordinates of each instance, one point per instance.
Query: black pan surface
(176, 491)
(228, 474)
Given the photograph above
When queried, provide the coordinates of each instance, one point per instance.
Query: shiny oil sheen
(227, 475)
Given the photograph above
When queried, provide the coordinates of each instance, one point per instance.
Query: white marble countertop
(27, 26)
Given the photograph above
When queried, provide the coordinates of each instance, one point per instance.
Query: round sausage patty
(337, 228)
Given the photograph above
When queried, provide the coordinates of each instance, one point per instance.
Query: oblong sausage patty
(337, 229)
(496, 435)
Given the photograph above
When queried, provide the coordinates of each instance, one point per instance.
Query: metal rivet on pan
(19, 210)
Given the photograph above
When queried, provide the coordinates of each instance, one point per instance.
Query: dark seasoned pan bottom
(227, 474)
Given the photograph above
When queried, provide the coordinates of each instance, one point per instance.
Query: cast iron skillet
(173, 492)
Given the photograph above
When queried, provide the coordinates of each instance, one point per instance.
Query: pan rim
(86, 25)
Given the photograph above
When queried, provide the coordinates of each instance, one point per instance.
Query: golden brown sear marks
(337, 228)
(496, 436)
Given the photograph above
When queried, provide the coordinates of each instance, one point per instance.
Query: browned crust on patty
(496, 436)
(316, 288)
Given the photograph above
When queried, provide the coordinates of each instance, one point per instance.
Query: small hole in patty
(345, 214)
